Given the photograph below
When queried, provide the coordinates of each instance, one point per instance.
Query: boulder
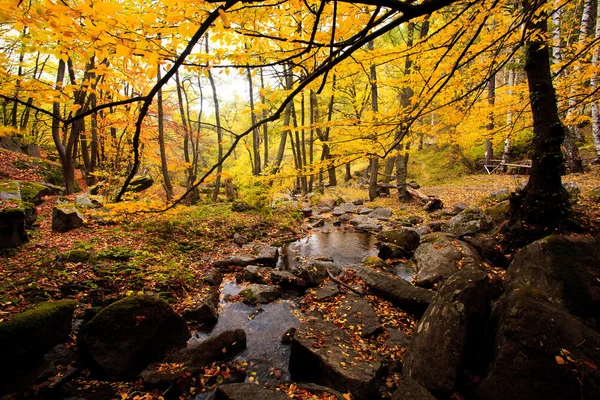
(10, 190)
(314, 271)
(140, 183)
(499, 212)
(205, 307)
(411, 390)
(469, 222)
(329, 290)
(255, 274)
(212, 277)
(240, 240)
(433, 205)
(260, 294)
(574, 191)
(489, 248)
(33, 192)
(29, 335)
(407, 238)
(364, 210)
(193, 358)
(380, 213)
(322, 353)
(286, 280)
(344, 209)
(397, 339)
(374, 262)
(439, 256)
(247, 391)
(358, 315)
(131, 333)
(563, 270)
(237, 260)
(448, 337)
(391, 251)
(539, 351)
(365, 223)
(13, 221)
(398, 291)
(66, 217)
(499, 195)
(266, 255)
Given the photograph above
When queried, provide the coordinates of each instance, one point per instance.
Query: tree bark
(219, 134)
(256, 166)
(373, 162)
(594, 86)
(543, 202)
(161, 141)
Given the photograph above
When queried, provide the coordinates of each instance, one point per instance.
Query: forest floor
(166, 253)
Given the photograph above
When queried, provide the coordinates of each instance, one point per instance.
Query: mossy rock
(140, 183)
(29, 335)
(374, 262)
(33, 192)
(76, 255)
(130, 334)
(66, 217)
(10, 190)
(595, 195)
(13, 222)
(500, 212)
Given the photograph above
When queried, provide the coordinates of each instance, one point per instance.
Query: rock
(437, 226)
(489, 249)
(32, 150)
(140, 183)
(414, 220)
(321, 353)
(319, 223)
(574, 191)
(374, 262)
(29, 335)
(237, 260)
(10, 190)
(344, 209)
(411, 390)
(369, 227)
(326, 202)
(260, 294)
(460, 207)
(433, 204)
(563, 270)
(499, 212)
(314, 271)
(448, 337)
(33, 192)
(382, 214)
(266, 255)
(213, 277)
(408, 239)
(247, 391)
(13, 221)
(499, 195)
(595, 194)
(398, 291)
(391, 251)
(192, 359)
(439, 256)
(84, 200)
(469, 222)
(331, 289)
(358, 202)
(131, 333)
(255, 274)
(539, 351)
(65, 218)
(239, 239)
(397, 339)
(364, 210)
(307, 212)
(358, 314)
(205, 308)
(286, 279)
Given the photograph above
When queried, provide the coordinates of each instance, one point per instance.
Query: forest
(299, 199)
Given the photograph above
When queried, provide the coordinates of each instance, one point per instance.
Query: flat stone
(382, 214)
(247, 391)
(358, 314)
(331, 289)
(260, 294)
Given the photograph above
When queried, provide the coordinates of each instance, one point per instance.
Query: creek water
(266, 324)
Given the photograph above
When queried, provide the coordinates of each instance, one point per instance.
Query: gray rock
(344, 209)
(358, 314)
(382, 214)
(411, 390)
(397, 339)
(65, 218)
(469, 222)
(364, 210)
(213, 277)
(499, 195)
(574, 191)
(440, 255)
(563, 270)
(256, 274)
(131, 333)
(286, 280)
(260, 294)
(314, 271)
(460, 207)
(331, 289)
(407, 239)
(323, 354)
(205, 309)
(10, 190)
(237, 260)
(448, 337)
(423, 230)
(437, 226)
(358, 202)
(369, 227)
(398, 291)
(539, 351)
(266, 255)
(247, 391)
(239, 239)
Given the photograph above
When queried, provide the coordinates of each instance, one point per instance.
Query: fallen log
(431, 202)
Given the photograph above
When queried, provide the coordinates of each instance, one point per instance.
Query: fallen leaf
(559, 360)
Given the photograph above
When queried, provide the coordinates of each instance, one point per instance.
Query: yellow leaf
(263, 92)
(224, 18)
(347, 396)
(122, 51)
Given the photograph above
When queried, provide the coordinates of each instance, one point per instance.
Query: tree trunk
(373, 162)
(509, 118)
(348, 174)
(543, 202)
(594, 86)
(265, 129)
(256, 166)
(161, 141)
(219, 134)
(289, 81)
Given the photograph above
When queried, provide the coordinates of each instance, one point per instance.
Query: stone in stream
(286, 280)
(255, 274)
(192, 359)
(260, 294)
(365, 223)
(322, 353)
(364, 210)
(331, 289)
(441, 255)
(29, 335)
(213, 277)
(449, 336)
(469, 222)
(237, 260)
(344, 209)
(359, 315)
(247, 391)
(398, 291)
(264, 255)
(131, 333)
(205, 308)
(407, 238)
(314, 271)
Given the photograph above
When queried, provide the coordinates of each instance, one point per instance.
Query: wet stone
(359, 315)
(331, 289)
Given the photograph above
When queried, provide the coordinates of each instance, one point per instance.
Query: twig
(336, 280)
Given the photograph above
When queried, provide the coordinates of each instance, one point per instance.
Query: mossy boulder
(31, 334)
(76, 256)
(13, 220)
(66, 217)
(499, 212)
(469, 222)
(10, 190)
(140, 183)
(33, 192)
(260, 294)
(130, 334)
(374, 262)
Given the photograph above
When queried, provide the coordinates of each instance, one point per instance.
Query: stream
(266, 324)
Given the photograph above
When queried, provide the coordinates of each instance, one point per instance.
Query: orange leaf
(559, 360)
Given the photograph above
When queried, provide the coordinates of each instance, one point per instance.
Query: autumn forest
(301, 199)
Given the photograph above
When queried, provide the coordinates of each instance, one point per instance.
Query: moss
(76, 255)
(36, 318)
(32, 192)
(9, 187)
(248, 296)
(373, 261)
(500, 211)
